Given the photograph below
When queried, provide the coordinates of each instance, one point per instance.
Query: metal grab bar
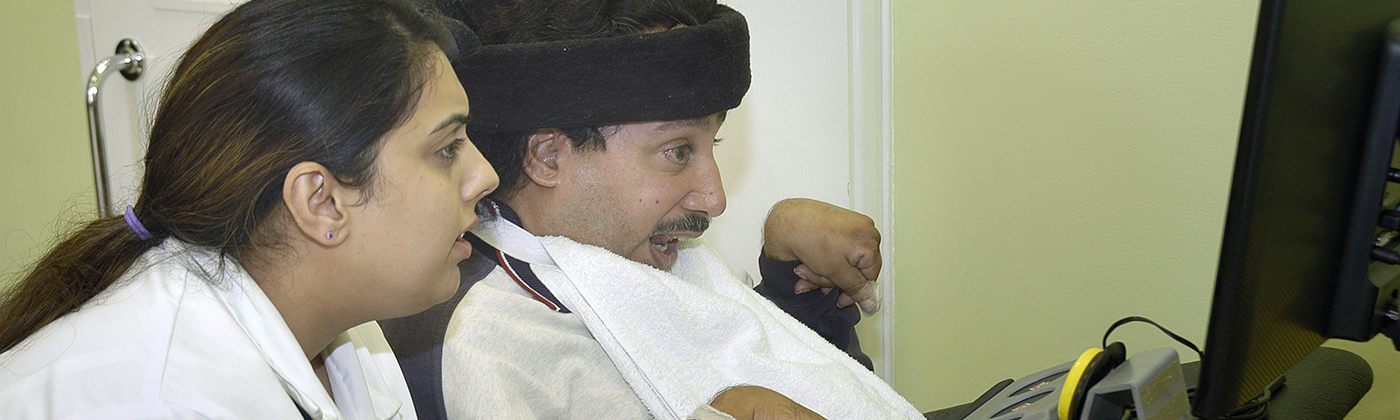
(130, 61)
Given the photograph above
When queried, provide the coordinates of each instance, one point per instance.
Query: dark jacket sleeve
(815, 310)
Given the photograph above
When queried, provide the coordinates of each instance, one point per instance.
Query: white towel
(681, 338)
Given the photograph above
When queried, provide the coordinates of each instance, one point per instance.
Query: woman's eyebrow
(451, 121)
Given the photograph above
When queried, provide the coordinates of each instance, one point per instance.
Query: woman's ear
(317, 203)
(544, 149)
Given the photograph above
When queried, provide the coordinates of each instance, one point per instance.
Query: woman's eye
(451, 150)
(679, 153)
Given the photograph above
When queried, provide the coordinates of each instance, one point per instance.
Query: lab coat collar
(350, 376)
(263, 323)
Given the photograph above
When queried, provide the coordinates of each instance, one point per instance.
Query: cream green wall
(1044, 155)
(1058, 166)
(45, 171)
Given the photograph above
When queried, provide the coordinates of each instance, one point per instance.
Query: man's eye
(451, 150)
(679, 153)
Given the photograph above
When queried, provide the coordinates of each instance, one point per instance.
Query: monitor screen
(1308, 188)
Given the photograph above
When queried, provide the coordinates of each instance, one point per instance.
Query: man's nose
(707, 196)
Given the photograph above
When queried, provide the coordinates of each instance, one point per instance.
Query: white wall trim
(887, 169)
(887, 177)
(870, 69)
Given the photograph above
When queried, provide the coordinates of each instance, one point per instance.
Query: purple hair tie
(135, 224)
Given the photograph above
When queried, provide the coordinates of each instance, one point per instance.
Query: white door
(163, 28)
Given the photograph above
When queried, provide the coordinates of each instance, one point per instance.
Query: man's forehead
(704, 122)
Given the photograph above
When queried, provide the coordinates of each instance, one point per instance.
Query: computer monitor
(1309, 187)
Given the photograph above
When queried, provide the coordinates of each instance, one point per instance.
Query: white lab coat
(181, 335)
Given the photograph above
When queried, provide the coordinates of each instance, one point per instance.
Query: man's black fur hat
(681, 73)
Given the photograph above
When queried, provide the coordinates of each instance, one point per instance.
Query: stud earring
(330, 235)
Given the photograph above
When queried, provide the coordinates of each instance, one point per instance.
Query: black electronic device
(1299, 261)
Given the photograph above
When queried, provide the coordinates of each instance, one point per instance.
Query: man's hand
(839, 248)
(759, 403)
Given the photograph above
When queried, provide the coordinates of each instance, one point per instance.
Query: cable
(1255, 409)
(1385, 255)
(1173, 335)
(1258, 407)
(1390, 219)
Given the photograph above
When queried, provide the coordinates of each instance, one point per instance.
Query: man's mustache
(688, 223)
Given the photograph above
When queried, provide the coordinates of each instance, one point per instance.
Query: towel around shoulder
(682, 337)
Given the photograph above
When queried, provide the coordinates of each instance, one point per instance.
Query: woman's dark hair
(527, 21)
(271, 84)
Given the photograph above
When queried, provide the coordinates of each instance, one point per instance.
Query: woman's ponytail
(80, 267)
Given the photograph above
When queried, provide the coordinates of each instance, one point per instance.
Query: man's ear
(546, 147)
(317, 203)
